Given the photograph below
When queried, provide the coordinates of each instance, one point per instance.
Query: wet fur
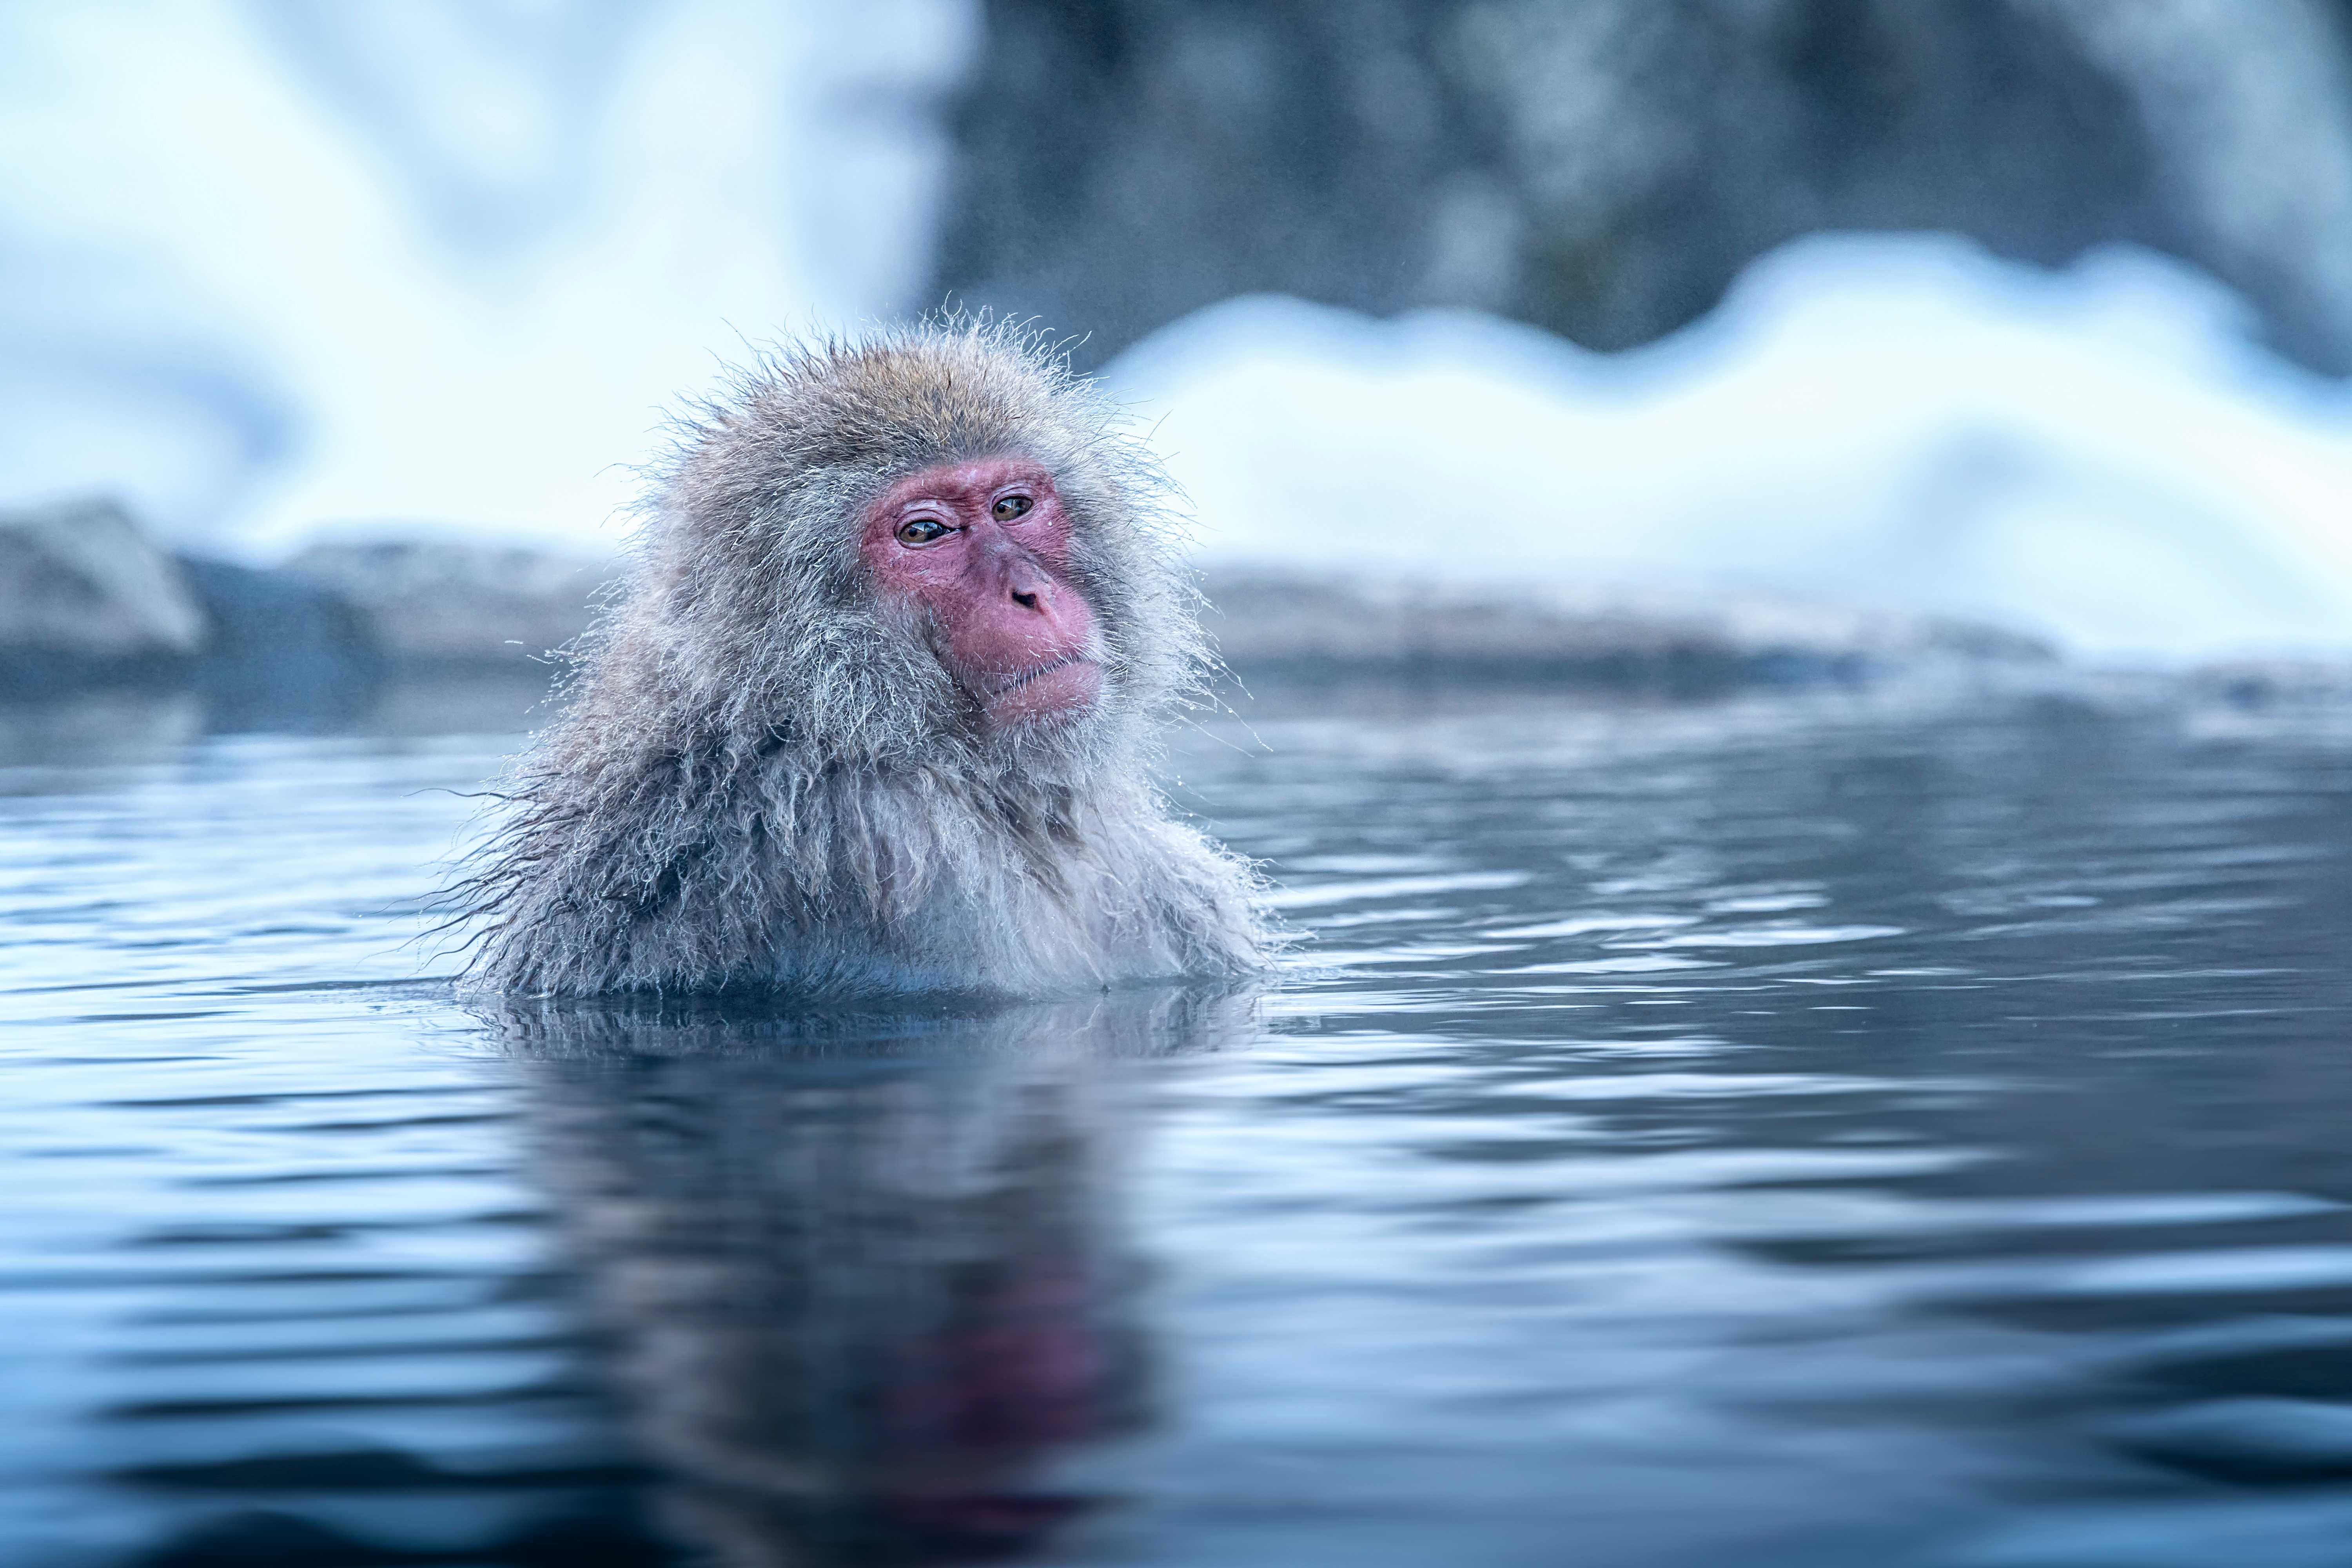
(767, 777)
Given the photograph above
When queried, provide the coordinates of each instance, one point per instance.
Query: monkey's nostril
(1026, 601)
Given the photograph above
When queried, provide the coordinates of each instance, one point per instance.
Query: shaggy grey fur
(767, 776)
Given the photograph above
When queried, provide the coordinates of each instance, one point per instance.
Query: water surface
(1807, 1129)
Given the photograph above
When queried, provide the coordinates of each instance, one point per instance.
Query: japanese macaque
(875, 711)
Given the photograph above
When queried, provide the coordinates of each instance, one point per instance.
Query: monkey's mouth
(1056, 689)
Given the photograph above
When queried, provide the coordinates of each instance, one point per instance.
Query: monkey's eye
(922, 530)
(1007, 508)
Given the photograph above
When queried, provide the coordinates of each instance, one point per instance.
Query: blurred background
(1785, 334)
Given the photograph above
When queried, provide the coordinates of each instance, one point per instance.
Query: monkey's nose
(1029, 585)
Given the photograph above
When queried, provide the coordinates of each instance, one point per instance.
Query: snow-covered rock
(432, 604)
(85, 596)
(1270, 621)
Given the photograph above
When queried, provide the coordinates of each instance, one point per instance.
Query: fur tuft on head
(767, 776)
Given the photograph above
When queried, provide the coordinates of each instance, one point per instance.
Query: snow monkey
(875, 709)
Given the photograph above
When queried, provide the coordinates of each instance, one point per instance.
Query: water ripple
(1796, 1132)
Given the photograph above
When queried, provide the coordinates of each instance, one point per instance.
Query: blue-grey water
(1810, 1129)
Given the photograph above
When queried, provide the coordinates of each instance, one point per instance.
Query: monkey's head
(933, 545)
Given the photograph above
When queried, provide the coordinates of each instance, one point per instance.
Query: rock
(2253, 684)
(1605, 169)
(1273, 622)
(85, 599)
(430, 605)
(282, 648)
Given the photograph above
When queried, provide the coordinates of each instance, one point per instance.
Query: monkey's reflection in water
(864, 1278)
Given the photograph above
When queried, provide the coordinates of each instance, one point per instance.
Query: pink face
(984, 547)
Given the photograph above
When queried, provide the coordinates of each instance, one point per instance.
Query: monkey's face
(982, 549)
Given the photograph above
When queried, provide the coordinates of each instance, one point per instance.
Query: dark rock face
(1122, 164)
(1655, 151)
(1605, 168)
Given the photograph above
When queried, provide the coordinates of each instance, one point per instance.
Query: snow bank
(268, 270)
(2102, 456)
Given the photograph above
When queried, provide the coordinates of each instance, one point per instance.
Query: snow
(2104, 456)
(393, 266)
(408, 266)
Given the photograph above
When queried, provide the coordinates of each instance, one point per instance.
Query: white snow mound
(2102, 456)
